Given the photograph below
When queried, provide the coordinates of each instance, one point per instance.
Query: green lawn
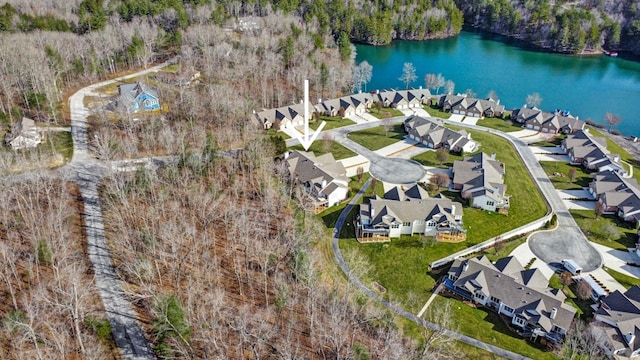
(487, 326)
(558, 171)
(435, 111)
(624, 280)
(274, 132)
(385, 113)
(607, 230)
(332, 122)
(376, 138)
(500, 124)
(429, 158)
(62, 143)
(320, 147)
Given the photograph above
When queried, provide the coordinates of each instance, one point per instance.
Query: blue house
(137, 97)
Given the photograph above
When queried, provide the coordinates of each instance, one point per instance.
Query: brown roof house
(481, 178)
(433, 134)
(619, 317)
(282, 117)
(24, 135)
(509, 289)
(408, 211)
(322, 178)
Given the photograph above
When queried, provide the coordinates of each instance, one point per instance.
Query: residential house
(551, 123)
(180, 78)
(480, 178)
(617, 195)
(322, 178)
(282, 117)
(137, 97)
(434, 135)
(24, 135)
(403, 99)
(591, 152)
(463, 105)
(515, 292)
(409, 211)
(619, 316)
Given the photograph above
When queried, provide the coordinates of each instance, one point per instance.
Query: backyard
(607, 230)
(499, 124)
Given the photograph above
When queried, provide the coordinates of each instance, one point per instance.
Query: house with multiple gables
(617, 195)
(24, 135)
(549, 123)
(403, 99)
(346, 106)
(136, 97)
(468, 106)
(619, 317)
(282, 117)
(408, 211)
(433, 134)
(480, 178)
(591, 152)
(509, 289)
(322, 178)
(180, 78)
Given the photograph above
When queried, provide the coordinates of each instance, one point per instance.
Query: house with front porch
(433, 134)
(618, 315)
(480, 178)
(322, 178)
(409, 211)
(282, 117)
(506, 287)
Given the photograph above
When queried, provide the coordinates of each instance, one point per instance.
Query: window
(395, 226)
(490, 203)
(507, 309)
(406, 224)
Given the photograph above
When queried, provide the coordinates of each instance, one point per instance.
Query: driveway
(456, 118)
(575, 194)
(618, 260)
(471, 120)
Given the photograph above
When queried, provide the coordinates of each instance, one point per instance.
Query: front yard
(320, 147)
(500, 124)
(378, 137)
(385, 112)
(332, 122)
(558, 172)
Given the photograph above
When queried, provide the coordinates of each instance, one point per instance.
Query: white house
(24, 135)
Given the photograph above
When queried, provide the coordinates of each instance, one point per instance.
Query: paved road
(87, 172)
(397, 310)
(568, 240)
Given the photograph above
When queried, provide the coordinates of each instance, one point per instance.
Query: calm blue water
(587, 86)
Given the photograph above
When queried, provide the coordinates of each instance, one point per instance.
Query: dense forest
(576, 27)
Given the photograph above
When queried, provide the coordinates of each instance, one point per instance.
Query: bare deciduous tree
(440, 180)
(612, 120)
(533, 100)
(408, 74)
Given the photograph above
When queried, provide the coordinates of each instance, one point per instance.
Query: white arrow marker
(307, 139)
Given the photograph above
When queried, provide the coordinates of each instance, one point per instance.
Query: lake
(587, 86)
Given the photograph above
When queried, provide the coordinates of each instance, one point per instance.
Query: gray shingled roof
(479, 171)
(623, 310)
(526, 291)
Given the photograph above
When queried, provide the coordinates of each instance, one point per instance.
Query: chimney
(630, 337)
(554, 312)
(286, 154)
(465, 266)
(453, 209)
(493, 156)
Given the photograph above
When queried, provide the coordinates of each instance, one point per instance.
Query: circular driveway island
(564, 243)
(397, 171)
